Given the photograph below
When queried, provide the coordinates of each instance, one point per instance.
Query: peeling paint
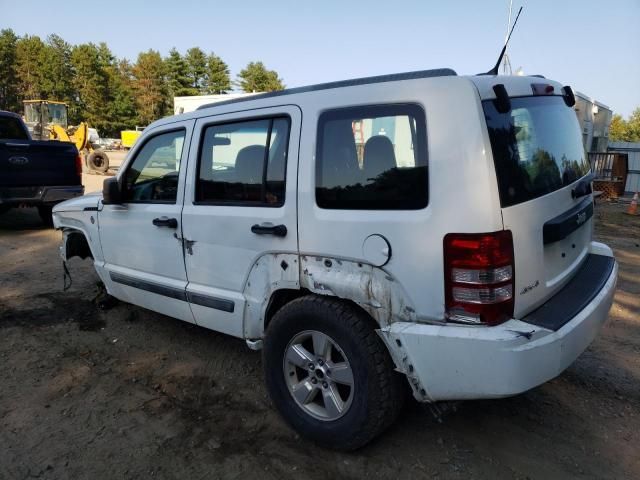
(267, 276)
(377, 292)
(403, 364)
(370, 287)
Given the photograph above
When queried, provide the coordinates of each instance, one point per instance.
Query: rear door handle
(269, 229)
(165, 222)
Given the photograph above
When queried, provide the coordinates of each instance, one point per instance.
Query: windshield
(537, 147)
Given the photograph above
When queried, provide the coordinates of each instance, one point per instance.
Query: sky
(594, 46)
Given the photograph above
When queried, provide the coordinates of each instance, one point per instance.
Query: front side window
(244, 163)
(372, 158)
(153, 175)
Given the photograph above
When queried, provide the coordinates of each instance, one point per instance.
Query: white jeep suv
(421, 230)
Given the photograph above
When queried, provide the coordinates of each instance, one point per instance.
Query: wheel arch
(75, 244)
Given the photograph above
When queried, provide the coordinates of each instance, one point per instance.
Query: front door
(240, 204)
(141, 238)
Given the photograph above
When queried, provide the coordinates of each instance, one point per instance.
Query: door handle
(268, 229)
(165, 222)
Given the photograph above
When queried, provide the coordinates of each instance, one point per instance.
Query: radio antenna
(494, 70)
(506, 64)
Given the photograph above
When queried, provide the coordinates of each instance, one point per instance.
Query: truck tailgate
(28, 163)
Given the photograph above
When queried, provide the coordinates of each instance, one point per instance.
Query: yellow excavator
(47, 120)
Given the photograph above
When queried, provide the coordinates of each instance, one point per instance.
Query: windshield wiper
(583, 187)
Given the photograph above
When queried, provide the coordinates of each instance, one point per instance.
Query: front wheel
(329, 374)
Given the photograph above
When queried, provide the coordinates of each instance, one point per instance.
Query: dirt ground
(127, 393)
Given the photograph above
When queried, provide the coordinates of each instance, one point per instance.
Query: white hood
(79, 203)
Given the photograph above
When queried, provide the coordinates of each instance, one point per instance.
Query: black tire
(98, 161)
(45, 215)
(378, 391)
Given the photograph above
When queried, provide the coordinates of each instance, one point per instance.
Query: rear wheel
(329, 374)
(98, 161)
(45, 214)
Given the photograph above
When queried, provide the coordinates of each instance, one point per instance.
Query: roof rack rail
(438, 72)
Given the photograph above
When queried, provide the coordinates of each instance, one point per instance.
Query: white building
(594, 118)
(191, 103)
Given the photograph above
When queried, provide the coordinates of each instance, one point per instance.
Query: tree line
(622, 130)
(111, 93)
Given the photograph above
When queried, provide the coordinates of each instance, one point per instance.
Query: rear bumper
(34, 196)
(459, 363)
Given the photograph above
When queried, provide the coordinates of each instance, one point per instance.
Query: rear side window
(12, 129)
(244, 163)
(537, 147)
(372, 158)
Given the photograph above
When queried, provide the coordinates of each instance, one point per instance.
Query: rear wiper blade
(583, 187)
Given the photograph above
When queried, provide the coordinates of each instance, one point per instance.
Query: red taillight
(79, 165)
(542, 89)
(479, 277)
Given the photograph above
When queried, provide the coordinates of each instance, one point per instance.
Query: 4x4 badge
(528, 288)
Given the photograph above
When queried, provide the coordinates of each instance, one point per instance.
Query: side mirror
(111, 192)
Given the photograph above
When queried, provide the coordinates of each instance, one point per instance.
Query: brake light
(542, 89)
(79, 165)
(479, 277)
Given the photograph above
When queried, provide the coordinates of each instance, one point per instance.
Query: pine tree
(178, 79)
(256, 78)
(152, 94)
(196, 69)
(91, 86)
(56, 82)
(217, 76)
(9, 99)
(119, 101)
(29, 55)
(123, 106)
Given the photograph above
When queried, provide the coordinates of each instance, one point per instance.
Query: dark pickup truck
(35, 173)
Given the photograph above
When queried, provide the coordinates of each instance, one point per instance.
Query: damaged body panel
(74, 244)
(78, 220)
(373, 289)
(376, 292)
(270, 273)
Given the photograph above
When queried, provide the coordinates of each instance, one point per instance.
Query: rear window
(537, 147)
(11, 128)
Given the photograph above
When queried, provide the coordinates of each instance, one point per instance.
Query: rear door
(240, 204)
(545, 193)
